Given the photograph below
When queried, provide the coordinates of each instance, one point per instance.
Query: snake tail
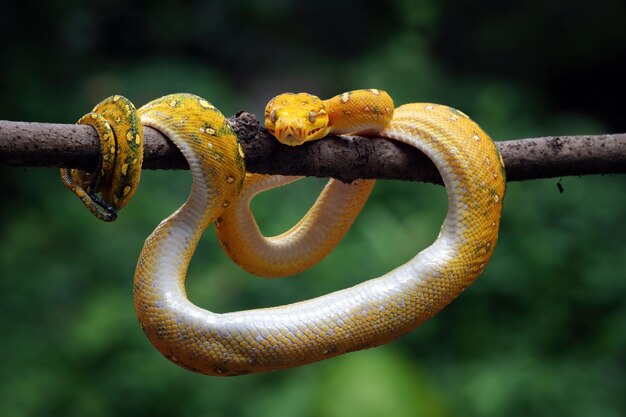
(121, 154)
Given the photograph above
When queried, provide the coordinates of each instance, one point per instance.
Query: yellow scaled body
(121, 148)
(368, 314)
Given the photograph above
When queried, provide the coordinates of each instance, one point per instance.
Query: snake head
(296, 118)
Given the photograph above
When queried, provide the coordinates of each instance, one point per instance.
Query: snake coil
(368, 314)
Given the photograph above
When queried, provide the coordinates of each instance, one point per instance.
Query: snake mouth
(291, 140)
(313, 132)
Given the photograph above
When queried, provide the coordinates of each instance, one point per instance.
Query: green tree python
(368, 314)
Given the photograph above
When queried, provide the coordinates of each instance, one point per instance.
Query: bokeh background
(541, 333)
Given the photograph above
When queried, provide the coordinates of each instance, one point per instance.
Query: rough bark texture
(76, 146)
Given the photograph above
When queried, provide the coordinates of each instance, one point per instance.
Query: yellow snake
(121, 154)
(366, 315)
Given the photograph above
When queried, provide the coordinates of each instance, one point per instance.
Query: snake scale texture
(366, 315)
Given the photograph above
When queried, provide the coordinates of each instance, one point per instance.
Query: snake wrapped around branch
(368, 314)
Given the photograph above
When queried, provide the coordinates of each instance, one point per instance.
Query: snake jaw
(291, 134)
(291, 140)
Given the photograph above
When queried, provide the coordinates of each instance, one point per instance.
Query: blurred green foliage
(541, 333)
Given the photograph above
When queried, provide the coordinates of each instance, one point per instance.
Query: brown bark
(76, 146)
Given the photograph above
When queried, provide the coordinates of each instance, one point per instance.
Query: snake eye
(312, 116)
(273, 116)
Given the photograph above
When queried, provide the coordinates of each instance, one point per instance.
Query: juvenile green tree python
(366, 315)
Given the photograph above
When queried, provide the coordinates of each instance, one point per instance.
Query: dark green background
(541, 333)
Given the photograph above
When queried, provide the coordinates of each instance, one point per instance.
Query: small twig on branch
(77, 146)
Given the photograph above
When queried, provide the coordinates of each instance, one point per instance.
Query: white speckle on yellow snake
(206, 104)
(345, 97)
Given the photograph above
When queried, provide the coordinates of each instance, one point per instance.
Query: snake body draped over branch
(366, 315)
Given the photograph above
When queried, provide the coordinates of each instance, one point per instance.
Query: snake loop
(121, 154)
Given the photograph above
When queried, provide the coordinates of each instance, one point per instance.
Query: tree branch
(77, 146)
